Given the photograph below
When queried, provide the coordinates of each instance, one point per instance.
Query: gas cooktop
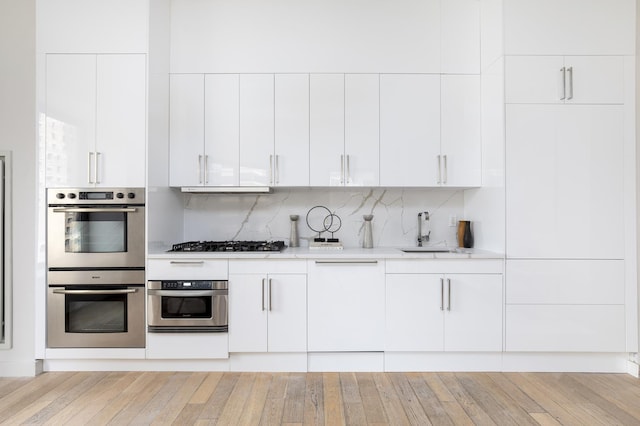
(229, 246)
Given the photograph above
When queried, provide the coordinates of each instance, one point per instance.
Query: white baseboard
(633, 369)
(20, 368)
(345, 361)
(268, 362)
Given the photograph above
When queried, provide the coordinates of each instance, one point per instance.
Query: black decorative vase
(467, 238)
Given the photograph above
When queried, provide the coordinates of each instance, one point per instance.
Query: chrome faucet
(422, 238)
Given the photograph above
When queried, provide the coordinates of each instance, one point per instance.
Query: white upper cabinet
(409, 129)
(290, 164)
(565, 79)
(186, 129)
(569, 27)
(460, 23)
(222, 130)
(95, 120)
(256, 129)
(460, 146)
(564, 173)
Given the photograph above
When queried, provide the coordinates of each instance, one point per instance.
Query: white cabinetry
(95, 120)
(567, 305)
(267, 306)
(559, 27)
(346, 305)
(460, 28)
(344, 141)
(431, 311)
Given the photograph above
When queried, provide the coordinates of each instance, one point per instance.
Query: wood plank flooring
(162, 398)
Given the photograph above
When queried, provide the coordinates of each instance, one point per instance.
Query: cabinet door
(595, 79)
(186, 129)
(460, 36)
(461, 149)
(291, 162)
(473, 316)
(564, 175)
(326, 143)
(414, 312)
(221, 134)
(534, 79)
(346, 306)
(256, 129)
(247, 313)
(569, 27)
(287, 306)
(71, 120)
(362, 129)
(409, 129)
(121, 120)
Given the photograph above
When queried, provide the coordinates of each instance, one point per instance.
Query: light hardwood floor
(118, 398)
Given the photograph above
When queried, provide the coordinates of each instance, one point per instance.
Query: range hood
(226, 189)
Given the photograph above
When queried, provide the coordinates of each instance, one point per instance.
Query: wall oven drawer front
(95, 317)
(97, 236)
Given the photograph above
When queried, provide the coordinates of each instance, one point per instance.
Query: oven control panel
(190, 285)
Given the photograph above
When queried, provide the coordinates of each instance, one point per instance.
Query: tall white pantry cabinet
(570, 96)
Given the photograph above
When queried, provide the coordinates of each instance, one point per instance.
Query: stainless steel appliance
(95, 260)
(188, 306)
(95, 228)
(95, 309)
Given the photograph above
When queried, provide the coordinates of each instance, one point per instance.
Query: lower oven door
(187, 311)
(98, 316)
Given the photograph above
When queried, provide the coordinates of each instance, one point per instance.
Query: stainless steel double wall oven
(95, 260)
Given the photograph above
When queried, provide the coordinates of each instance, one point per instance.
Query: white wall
(17, 121)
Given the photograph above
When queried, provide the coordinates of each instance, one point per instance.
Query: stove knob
(131, 195)
(60, 195)
(71, 195)
(119, 195)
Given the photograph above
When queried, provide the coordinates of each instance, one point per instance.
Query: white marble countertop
(346, 253)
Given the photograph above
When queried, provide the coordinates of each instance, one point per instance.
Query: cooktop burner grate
(229, 246)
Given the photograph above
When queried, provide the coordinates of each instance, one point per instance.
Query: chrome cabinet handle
(263, 294)
(89, 167)
(94, 210)
(123, 291)
(342, 170)
(570, 73)
(444, 180)
(269, 293)
(439, 171)
(271, 169)
(95, 170)
(442, 294)
(187, 293)
(199, 168)
(563, 85)
(342, 262)
(348, 178)
(186, 262)
(449, 295)
(206, 169)
(277, 169)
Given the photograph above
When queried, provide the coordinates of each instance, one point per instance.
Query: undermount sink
(428, 250)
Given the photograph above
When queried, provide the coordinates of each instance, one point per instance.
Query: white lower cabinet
(346, 305)
(565, 306)
(443, 312)
(267, 306)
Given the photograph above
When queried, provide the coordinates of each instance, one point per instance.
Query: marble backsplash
(266, 216)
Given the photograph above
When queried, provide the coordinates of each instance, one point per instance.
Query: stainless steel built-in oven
(187, 306)
(95, 228)
(95, 309)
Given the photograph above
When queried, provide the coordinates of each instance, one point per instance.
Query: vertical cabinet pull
(439, 171)
(269, 294)
(348, 179)
(95, 170)
(199, 168)
(342, 170)
(271, 169)
(262, 298)
(206, 167)
(562, 87)
(449, 294)
(277, 169)
(89, 178)
(442, 294)
(444, 179)
(570, 91)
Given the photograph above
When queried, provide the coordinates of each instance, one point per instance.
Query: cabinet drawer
(565, 282)
(444, 266)
(187, 269)
(262, 266)
(565, 328)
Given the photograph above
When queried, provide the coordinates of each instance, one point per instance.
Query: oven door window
(95, 232)
(95, 312)
(186, 307)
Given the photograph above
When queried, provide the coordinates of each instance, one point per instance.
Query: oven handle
(94, 210)
(122, 291)
(187, 293)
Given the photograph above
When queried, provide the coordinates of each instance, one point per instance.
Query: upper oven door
(95, 236)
